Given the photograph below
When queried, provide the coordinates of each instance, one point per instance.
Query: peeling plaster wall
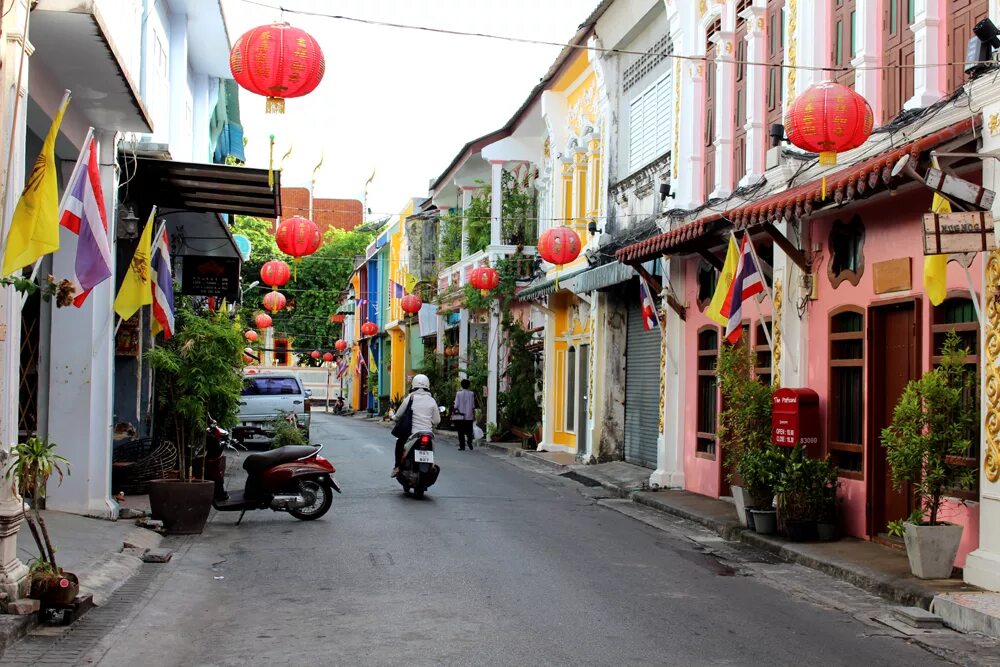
(611, 446)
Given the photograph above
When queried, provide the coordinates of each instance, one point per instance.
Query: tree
(263, 246)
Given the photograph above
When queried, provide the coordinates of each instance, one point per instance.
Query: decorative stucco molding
(777, 299)
(991, 460)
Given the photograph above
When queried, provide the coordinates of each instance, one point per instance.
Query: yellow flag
(714, 310)
(137, 288)
(34, 229)
(936, 266)
(410, 283)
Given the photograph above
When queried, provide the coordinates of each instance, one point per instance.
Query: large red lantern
(297, 237)
(251, 336)
(559, 245)
(484, 278)
(314, 354)
(340, 345)
(829, 118)
(275, 274)
(338, 318)
(278, 62)
(274, 301)
(369, 329)
(411, 304)
(263, 321)
(328, 357)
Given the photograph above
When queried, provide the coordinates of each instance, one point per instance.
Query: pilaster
(468, 191)
(669, 471)
(756, 125)
(929, 47)
(496, 201)
(725, 83)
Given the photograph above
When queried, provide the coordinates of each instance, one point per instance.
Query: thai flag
(84, 215)
(747, 282)
(650, 318)
(162, 285)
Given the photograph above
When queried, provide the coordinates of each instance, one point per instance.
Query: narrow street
(499, 565)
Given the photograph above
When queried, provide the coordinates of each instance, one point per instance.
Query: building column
(463, 341)
(82, 355)
(201, 140)
(180, 125)
(468, 191)
(493, 363)
(868, 41)
(809, 39)
(496, 202)
(690, 126)
(669, 471)
(13, 573)
(982, 566)
(548, 377)
(756, 87)
(593, 177)
(725, 85)
(928, 82)
(579, 205)
(790, 358)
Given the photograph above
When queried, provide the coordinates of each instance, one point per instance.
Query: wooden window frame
(711, 114)
(843, 25)
(963, 13)
(713, 374)
(572, 374)
(775, 92)
(760, 347)
(740, 112)
(833, 364)
(840, 227)
(898, 48)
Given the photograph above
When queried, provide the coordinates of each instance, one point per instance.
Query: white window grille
(650, 116)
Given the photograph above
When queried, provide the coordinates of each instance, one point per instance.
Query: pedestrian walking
(464, 414)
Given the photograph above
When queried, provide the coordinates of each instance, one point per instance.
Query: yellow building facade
(396, 327)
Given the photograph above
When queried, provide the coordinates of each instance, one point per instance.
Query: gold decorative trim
(663, 361)
(675, 156)
(778, 299)
(790, 50)
(991, 460)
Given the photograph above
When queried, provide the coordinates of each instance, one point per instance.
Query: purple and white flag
(84, 215)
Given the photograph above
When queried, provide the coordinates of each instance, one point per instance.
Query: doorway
(583, 401)
(894, 353)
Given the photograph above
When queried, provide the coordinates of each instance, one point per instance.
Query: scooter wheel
(323, 500)
(418, 492)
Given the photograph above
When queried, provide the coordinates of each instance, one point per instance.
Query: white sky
(400, 101)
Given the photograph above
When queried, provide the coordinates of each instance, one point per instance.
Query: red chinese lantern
(278, 62)
(274, 301)
(340, 345)
(275, 274)
(328, 357)
(251, 336)
(484, 278)
(829, 118)
(338, 318)
(369, 329)
(297, 237)
(559, 245)
(314, 354)
(411, 304)
(263, 321)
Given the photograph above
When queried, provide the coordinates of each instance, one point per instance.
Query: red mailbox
(795, 420)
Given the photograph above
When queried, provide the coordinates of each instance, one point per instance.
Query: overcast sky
(401, 102)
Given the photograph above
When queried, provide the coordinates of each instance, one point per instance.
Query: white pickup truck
(268, 396)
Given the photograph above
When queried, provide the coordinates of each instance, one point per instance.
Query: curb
(114, 569)
(731, 532)
(13, 628)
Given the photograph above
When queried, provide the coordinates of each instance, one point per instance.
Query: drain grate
(577, 477)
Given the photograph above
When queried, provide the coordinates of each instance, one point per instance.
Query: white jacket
(425, 411)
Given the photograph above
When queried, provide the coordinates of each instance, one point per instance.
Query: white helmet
(421, 382)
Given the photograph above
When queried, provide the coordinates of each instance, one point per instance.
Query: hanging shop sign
(211, 276)
(946, 233)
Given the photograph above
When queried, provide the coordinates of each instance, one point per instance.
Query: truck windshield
(269, 386)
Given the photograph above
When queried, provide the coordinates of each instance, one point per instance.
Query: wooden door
(962, 17)
(710, 113)
(898, 43)
(583, 401)
(894, 354)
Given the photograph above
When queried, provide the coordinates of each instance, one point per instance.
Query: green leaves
(931, 426)
(34, 462)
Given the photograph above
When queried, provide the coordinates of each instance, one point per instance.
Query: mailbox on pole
(795, 420)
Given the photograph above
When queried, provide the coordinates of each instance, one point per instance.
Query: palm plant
(34, 462)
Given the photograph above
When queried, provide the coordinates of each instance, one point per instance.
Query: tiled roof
(864, 177)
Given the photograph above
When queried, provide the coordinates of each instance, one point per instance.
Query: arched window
(708, 392)
(846, 404)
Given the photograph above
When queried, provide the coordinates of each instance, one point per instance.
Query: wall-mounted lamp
(664, 191)
(128, 223)
(777, 134)
(592, 227)
(981, 46)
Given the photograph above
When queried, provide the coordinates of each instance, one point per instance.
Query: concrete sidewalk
(93, 549)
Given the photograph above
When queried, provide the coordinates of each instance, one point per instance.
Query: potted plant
(760, 469)
(745, 421)
(930, 428)
(823, 498)
(32, 464)
(198, 373)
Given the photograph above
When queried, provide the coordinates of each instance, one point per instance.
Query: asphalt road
(498, 565)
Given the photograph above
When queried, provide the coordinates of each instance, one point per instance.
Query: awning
(71, 40)
(600, 277)
(206, 188)
(545, 286)
(861, 179)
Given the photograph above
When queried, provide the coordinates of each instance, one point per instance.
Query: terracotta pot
(50, 593)
(183, 507)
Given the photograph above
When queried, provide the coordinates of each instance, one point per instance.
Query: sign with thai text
(211, 276)
(946, 233)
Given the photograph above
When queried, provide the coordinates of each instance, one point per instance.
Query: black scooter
(417, 471)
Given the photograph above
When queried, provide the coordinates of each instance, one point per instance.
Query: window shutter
(650, 123)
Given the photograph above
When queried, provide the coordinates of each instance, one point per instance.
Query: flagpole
(767, 290)
(13, 130)
(62, 202)
(972, 292)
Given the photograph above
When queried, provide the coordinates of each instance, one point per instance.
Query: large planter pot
(51, 592)
(183, 507)
(800, 530)
(932, 549)
(765, 521)
(826, 532)
(743, 502)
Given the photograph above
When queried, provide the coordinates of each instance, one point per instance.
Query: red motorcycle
(294, 479)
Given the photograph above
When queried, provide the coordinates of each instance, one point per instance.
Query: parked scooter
(417, 471)
(292, 479)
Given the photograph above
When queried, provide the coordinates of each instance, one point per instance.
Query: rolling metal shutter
(642, 390)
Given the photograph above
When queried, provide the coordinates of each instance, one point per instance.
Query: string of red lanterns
(251, 336)
(274, 301)
(263, 321)
(411, 304)
(275, 274)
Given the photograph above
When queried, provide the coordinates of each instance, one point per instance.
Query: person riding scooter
(420, 408)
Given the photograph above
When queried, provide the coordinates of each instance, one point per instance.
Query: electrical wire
(707, 59)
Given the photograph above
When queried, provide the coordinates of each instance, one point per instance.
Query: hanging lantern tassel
(826, 159)
(270, 165)
(275, 105)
